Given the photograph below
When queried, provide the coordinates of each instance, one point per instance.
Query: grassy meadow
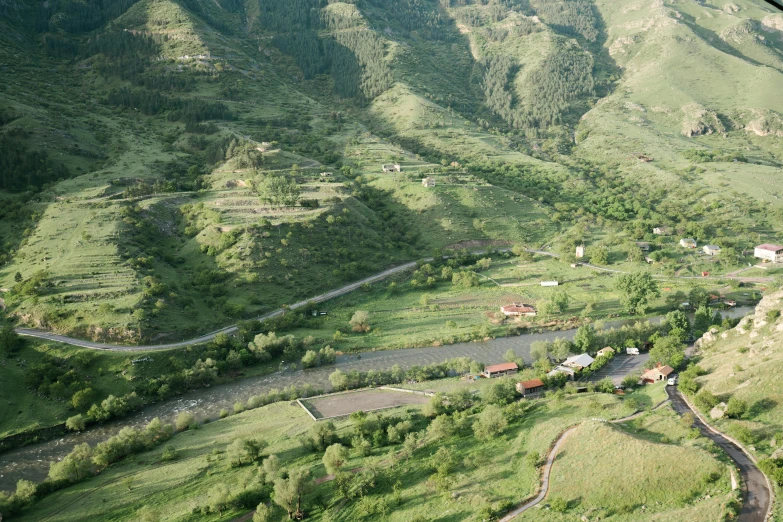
(494, 474)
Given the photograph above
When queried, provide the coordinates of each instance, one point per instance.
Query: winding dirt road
(544, 489)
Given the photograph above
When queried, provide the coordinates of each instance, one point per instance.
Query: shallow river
(32, 462)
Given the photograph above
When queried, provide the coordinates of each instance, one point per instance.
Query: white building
(688, 242)
(578, 361)
(771, 253)
(580, 251)
(711, 250)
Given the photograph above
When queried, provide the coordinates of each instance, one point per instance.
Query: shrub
(184, 420)
(705, 400)
(736, 408)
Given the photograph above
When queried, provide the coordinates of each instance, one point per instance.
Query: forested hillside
(171, 166)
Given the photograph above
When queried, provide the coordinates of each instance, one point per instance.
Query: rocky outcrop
(698, 121)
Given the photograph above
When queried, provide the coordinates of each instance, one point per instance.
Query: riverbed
(32, 462)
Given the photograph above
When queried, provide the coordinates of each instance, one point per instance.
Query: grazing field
(402, 316)
(620, 475)
(343, 404)
(492, 474)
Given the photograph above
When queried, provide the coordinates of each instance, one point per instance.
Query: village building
(711, 250)
(577, 362)
(768, 252)
(531, 387)
(499, 370)
(518, 310)
(392, 168)
(570, 372)
(605, 351)
(549, 283)
(661, 231)
(428, 182)
(659, 373)
(688, 242)
(643, 246)
(325, 174)
(580, 251)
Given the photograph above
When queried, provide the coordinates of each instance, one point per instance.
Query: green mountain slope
(140, 134)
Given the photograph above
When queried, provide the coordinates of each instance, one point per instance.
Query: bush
(736, 408)
(10, 341)
(76, 423)
(558, 505)
(705, 400)
(184, 420)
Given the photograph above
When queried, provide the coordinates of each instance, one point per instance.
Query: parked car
(632, 351)
(672, 381)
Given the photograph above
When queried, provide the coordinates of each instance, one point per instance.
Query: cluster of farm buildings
(570, 367)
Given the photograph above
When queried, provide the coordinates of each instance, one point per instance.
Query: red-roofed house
(767, 252)
(531, 387)
(499, 370)
(659, 373)
(517, 310)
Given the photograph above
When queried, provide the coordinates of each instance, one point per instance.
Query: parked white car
(672, 381)
(632, 351)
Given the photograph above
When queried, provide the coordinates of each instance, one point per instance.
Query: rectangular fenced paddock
(343, 404)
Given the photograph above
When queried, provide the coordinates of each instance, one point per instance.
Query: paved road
(544, 479)
(756, 490)
(40, 334)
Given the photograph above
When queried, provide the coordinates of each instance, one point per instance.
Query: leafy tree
(698, 297)
(244, 451)
(678, 319)
(263, 513)
(561, 300)
(83, 399)
(465, 279)
(502, 392)
(74, 467)
(10, 341)
(441, 427)
(668, 350)
(339, 380)
(184, 420)
(310, 359)
(539, 350)
(491, 422)
(702, 319)
(638, 290)
(360, 322)
(322, 434)
(218, 498)
(510, 355)
(278, 191)
(272, 468)
(288, 493)
(736, 408)
(585, 339)
(598, 254)
(327, 355)
(436, 406)
(76, 423)
(335, 458)
(705, 400)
